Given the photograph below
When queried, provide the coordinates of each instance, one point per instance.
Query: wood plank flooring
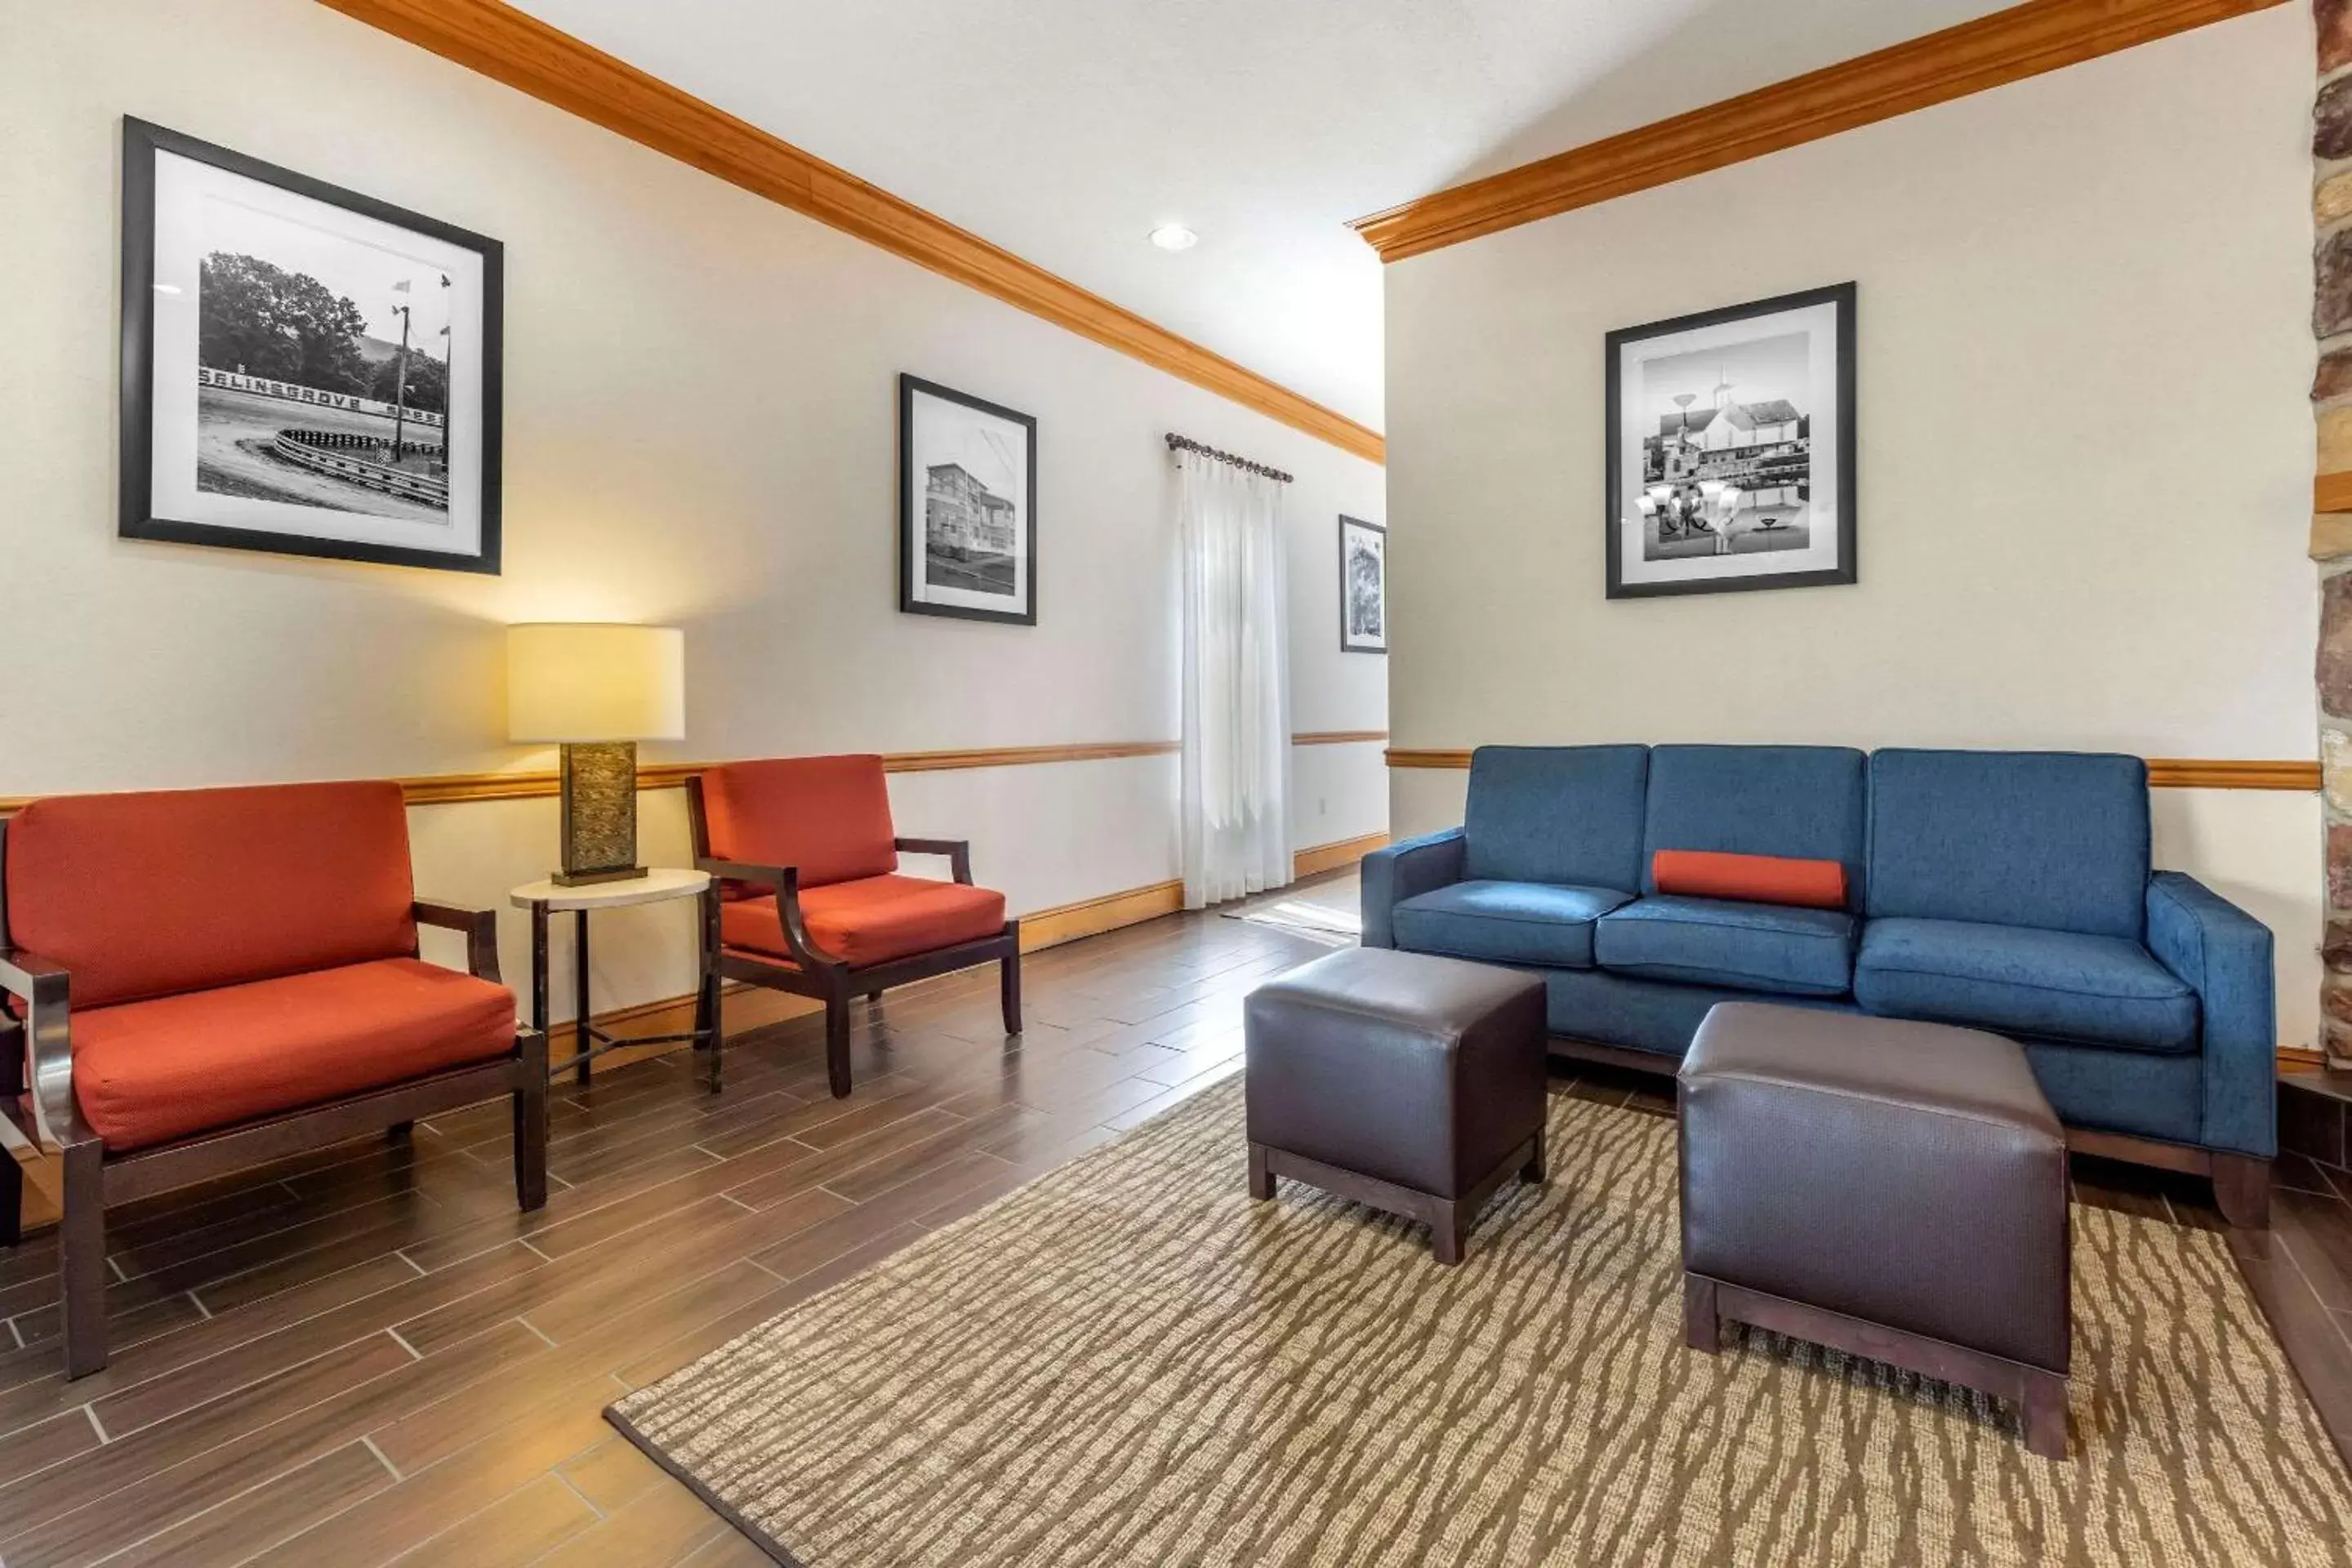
(367, 1356)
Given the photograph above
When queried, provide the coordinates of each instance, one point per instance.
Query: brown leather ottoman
(1409, 1082)
(1890, 1189)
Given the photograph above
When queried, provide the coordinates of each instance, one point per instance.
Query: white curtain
(1236, 795)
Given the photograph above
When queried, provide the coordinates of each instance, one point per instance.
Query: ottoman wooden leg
(1446, 1223)
(1532, 1172)
(2045, 1415)
(1261, 1180)
(1702, 1329)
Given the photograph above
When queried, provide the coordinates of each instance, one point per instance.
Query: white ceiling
(1066, 130)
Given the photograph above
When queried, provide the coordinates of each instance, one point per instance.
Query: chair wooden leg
(709, 1010)
(836, 1044)
(1702, 1327)
(531, 1128)
(11, 1197)
(400, 1132)
(12, 1178)
(2242, 1187)
(81, 1259)
(1532, 1173)
(1008, 981)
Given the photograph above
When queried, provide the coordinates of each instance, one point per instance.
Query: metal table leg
(588, 1040)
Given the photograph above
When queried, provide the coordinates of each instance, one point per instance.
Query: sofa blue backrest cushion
(2053, 839)
(1565, 815)
(1806, 802)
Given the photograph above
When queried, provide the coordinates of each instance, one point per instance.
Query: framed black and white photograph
(1731, 449)
(1364, 586)
(305, 370)
(967, 506)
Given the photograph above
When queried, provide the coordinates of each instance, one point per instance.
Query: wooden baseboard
(1092, 917)
(1321, 858)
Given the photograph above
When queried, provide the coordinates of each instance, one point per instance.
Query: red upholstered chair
(811, 901)
(243, 984)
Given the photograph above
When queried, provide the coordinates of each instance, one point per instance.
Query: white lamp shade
(586, 682)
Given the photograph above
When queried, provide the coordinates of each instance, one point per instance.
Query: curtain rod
(1186, 444)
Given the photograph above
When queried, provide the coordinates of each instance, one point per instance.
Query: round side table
(542, 899)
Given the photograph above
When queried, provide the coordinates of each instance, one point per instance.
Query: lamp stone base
(599, 813)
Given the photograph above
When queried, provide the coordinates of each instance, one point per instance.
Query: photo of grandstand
(321, 368)
(307, 370)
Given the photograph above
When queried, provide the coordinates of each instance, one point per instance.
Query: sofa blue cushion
(1802, 801)
(1659, 1016)
(2144, 1093)
(1565, 815)
(1719, 941)
(1505, 922)
(2057, 985)
(2055, 839)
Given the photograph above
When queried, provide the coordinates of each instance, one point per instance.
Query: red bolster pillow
(1755, 879)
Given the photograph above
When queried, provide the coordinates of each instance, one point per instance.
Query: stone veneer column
(2331, 532)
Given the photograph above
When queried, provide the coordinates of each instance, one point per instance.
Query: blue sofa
(2002, 890)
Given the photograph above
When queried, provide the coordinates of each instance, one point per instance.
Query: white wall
(2084, 456)
(700, 430)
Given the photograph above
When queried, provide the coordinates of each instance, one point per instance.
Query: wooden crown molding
(2008, 45)
(2163, 773)
(525, 53)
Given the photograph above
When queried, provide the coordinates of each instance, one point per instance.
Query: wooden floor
(368, 1356)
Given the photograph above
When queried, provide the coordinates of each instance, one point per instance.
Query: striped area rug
(1131, 1362)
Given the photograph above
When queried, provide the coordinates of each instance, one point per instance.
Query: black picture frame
(1846, 571)
(137, 519)
(1347, 523)
(909, 386)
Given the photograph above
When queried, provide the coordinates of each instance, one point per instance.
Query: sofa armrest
(480, 928)
(45, 988)
(957, 851)
(1402, 871)
(2224, 955)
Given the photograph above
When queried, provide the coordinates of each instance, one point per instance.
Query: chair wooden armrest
(958, 851)
(46, 988)
(785, 882)
(481, 929)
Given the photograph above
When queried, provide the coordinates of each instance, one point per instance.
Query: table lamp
(597, 689)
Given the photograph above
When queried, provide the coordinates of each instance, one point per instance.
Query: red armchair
(202, 980)
(812, 903)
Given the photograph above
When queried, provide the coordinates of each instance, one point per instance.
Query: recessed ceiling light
(1174, 236)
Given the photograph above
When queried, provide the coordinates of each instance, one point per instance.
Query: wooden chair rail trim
(2332, 492)
(2163, 773)
(2008, 45)
(512, 47)
(444, 789)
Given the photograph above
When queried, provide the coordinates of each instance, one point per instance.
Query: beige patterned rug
(1131, 1362)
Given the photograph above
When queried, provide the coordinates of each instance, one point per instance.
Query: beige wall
(700, 408)
(2085, 464)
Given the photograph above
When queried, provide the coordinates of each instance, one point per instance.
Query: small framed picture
(1731, 450)
(1363, 587)
(305, 370)
(967, 506)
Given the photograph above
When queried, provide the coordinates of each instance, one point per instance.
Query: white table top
(658, 883)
